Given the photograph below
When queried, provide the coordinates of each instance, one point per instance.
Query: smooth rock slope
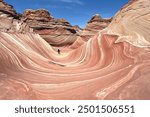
(103, 67)
(132, 23)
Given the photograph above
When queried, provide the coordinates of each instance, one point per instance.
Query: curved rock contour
(132, 23)
(100, 68)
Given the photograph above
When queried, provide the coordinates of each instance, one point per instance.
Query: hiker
(58, 51)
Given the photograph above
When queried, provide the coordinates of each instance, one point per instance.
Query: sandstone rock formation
(57, 32)
(10, 19)
(98, 23)
(131, 23)
(95, 24)
(100, 68)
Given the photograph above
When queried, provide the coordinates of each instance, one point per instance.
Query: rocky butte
(10, 19)
(94, 25)
(57, 32)
(114, 63)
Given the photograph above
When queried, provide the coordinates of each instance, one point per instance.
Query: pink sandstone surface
(113, 64)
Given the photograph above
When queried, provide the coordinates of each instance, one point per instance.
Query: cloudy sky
(77, 12)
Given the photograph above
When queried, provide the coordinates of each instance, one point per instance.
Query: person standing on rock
(58, 51)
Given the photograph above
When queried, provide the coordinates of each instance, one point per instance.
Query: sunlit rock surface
(100, 68)
(132, 23)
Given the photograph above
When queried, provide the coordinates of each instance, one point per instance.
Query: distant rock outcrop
(98, 20)
(57, 32)
(96, 24)
(8, 9)
(39, 15)
(10, 19)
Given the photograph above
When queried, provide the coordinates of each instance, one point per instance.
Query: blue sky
(77, 12)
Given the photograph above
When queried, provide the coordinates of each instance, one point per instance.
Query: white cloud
(73, 1)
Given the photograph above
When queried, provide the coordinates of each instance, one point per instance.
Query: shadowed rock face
(57, 32)
(101, 68)
(10, 20)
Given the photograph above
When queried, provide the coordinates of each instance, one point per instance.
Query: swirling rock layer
(57, 32)
(132, 23)
(100, 68)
